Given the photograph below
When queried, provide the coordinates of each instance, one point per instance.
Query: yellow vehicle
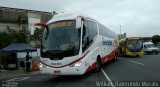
(131, 46)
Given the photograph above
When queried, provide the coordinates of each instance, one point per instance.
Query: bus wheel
(98, 65)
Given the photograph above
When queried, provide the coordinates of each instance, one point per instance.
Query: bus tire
(98, 64)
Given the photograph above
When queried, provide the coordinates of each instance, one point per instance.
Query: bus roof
(134, 38)
(67, 16)
(129, 38)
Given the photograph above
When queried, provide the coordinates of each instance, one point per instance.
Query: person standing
(28, 63)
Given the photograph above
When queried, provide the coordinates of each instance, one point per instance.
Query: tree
(4, 40)
(12, 36)
(155, 39)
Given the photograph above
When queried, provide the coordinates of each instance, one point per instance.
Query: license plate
(57, 72)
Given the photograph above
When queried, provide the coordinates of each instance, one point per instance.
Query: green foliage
(155, 39)
(12, 36)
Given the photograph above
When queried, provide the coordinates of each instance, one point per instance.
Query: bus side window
(85, 39)
(89, 33)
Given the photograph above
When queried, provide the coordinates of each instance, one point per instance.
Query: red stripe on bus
(90, 68)
(109, 57)
(67, 64)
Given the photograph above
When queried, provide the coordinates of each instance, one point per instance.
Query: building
(19, 19)
(16, 18)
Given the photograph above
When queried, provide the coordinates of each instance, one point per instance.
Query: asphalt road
(126, 69)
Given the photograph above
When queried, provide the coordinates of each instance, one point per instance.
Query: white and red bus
(74, 44)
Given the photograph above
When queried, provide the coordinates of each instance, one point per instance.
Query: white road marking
(107, 78)
(137, 63)
(18, 79)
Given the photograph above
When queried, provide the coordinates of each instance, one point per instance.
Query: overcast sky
(137, 17)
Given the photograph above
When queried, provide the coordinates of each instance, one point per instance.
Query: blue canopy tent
(17, 47)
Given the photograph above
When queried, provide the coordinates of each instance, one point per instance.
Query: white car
(149, 47)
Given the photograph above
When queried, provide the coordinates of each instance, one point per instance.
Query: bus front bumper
(67, 70)
(135, 53)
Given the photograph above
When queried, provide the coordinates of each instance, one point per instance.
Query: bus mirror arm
(47, 32)
(33, 27)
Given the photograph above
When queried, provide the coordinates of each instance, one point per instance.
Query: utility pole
(120, 29)
(120, 35)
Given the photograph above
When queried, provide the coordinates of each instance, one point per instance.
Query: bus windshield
(134, 45)
(61, 40)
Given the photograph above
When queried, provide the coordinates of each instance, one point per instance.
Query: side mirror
(33, 27)
(78, 23)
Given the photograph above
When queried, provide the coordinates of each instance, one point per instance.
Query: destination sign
(62, 24)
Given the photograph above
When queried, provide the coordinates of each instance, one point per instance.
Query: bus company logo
(56, 64)
(107, 42)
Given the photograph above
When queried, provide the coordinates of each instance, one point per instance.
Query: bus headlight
(78, 64)
(41, 66)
